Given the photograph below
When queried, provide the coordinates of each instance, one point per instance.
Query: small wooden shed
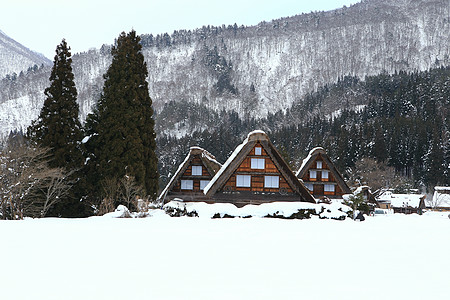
(321, 177)
(256, 173)
(192, 176)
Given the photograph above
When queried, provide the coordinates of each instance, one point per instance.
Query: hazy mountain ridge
(264, 68)
(15, 57)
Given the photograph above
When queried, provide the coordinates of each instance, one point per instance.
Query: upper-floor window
(196, 170)
(319, 164)
(309, 186)
(257, 163)
(272, 182)
(243, 180)
(187, 184)
(258, 151)
(312, 174)
(324, 174)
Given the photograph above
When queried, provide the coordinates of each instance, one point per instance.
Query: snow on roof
(226, 164)
(441, 199)
(305, 161)
(166, 189)
(400, 200)
(442, 188)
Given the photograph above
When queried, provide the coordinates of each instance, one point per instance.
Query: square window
(309, 186)
(329, 188)
(312, 174)
(196, 170)
(243, 180)
(187, 184)
(324, 174)
(203, 184)
(257, 163)
(258, 151)
(319, 164)
(272, 182)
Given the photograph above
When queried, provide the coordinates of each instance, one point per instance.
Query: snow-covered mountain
(16, 58)
(263, 68)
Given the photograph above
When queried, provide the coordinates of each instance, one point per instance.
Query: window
(257, 163)
(196, 170)
(203, 184)
(187, 184)
(312, 174)
(329, 188)
(243, 180)
(258, 151)
(319, 164)
(309, 186)
(272, 182)
(324, 174)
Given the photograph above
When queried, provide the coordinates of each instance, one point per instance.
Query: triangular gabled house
(192, 176)
(256, 173)
(321, 177)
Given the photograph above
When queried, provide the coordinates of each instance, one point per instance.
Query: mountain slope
(264, 68)
(15, 58)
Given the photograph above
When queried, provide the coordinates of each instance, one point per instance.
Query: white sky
(41, 24)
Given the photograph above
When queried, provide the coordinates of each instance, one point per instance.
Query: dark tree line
(403, 121)
(112, 159)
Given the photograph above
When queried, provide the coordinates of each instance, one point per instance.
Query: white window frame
(197, 169)
(243, 180)
(203, 184)
(325, 174)
(258, 151)
(187, 184)
(319, 164)
(313, 174)
(258, 163)
(272, 182)
(329, 188)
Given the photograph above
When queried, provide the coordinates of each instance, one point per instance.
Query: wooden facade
(321, 177)
(256, 173)
(192, 177)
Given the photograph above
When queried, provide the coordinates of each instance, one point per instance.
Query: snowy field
(385, 257)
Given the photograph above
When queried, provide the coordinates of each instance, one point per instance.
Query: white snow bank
(284, 209)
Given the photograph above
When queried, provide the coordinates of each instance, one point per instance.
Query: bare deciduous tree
(28, 186)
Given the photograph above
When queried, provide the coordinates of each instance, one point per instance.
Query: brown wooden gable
(240, 180)
(191, 188)
(258, 175)
(313, 175)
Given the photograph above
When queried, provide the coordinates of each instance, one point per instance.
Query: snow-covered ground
(384, 257)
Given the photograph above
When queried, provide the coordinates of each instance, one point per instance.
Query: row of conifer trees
(118, 139)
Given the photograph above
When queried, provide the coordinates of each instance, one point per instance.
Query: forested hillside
(401, 119)
(257, 70)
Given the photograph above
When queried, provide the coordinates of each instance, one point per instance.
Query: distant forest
(401, 120)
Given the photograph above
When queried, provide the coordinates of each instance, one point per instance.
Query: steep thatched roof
(240, 153)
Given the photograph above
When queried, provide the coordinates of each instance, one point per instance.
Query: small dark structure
(256, 173)
(192, 176)
(321, 177)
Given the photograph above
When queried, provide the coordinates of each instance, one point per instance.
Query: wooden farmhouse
(321, 177)
(192, 176)
(256, 173)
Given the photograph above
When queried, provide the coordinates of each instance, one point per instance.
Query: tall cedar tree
(58, 127)
(123, 140)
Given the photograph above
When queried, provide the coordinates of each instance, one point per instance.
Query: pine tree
(122, 127)
(58, 128)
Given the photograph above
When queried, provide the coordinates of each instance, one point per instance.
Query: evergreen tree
(58, 128)
(122, 127)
